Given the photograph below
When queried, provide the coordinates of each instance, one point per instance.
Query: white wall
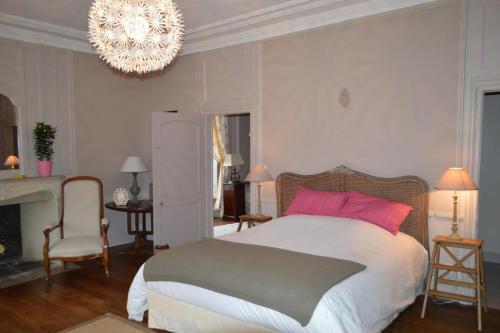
(113, 117)
(113, 112)
(489, 221)
(39, 81)
(403, 77)
(402, 72)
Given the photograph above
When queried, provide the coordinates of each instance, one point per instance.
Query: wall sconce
(344, 97)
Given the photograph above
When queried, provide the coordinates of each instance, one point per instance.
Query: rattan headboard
(411, 190)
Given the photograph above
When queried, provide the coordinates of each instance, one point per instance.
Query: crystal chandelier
(136, 35)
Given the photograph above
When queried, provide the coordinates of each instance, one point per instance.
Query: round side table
(137, 208)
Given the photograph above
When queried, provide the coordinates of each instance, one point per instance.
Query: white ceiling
(73, 13)
(210, 24)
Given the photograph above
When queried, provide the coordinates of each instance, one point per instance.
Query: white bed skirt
(176, 316)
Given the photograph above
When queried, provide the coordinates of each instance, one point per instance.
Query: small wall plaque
(344, 97)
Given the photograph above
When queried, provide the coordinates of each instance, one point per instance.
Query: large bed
(365, 302)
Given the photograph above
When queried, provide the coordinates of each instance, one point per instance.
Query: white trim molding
(470, 134)
(291, 16)
(286, 18)
(37, 32)
(476, 82)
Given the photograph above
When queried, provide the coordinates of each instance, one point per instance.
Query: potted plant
(44, 136)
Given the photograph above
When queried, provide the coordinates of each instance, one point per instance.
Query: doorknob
(161, 204)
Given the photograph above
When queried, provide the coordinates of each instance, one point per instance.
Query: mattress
(365, 302)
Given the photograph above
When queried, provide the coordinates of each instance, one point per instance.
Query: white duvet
(365, 302)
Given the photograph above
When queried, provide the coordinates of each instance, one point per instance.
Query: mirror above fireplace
(9, 139)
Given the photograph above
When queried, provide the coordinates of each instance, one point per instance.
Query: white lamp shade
(11, 160)
(233, 160)
(259, 173)
(456, 179)
(134, 164)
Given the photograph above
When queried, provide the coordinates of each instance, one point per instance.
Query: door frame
(255, 152)
(248, 55)
(470, 127)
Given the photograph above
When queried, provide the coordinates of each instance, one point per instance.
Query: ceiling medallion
(136, 35)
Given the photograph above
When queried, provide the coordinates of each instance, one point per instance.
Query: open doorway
(488, 222)
(231, 165)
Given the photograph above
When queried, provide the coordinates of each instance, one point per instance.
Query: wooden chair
(83, 228)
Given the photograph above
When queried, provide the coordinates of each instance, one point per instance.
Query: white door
(179, 178)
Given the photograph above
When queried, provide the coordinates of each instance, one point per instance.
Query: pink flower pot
(44, 168)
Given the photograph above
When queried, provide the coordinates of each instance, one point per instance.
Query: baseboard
(491, 257)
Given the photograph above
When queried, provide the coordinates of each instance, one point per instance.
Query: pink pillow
(386, 214)
(313, 202)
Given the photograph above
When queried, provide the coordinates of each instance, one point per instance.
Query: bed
(365, 302)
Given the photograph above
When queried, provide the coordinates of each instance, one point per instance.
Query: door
(179, 178)
(489, 180)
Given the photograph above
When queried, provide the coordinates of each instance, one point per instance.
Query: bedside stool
(250, 219)
(476, 273)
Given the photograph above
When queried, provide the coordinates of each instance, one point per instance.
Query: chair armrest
(104, 221)
(46, 233)
(50, 228)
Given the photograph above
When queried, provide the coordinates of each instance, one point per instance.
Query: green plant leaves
(44, 136)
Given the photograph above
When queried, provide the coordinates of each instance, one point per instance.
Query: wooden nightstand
(234, 201)
(250, 219)
(475, 274)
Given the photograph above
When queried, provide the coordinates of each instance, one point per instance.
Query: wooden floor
(218, 222)
(80, 295)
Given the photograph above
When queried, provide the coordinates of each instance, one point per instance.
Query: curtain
(219, 133)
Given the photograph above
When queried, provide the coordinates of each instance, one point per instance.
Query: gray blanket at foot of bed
(289, 282)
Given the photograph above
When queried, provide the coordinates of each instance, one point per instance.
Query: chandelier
(136, 35)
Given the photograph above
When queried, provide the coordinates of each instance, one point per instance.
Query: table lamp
(11, 161)
(232, 161)
(259, 174)
(134, 164)
(455, 179)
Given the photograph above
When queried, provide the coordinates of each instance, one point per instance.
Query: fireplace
(27, 206)
(10, 233)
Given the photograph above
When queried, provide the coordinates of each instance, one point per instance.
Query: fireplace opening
(11, 246)
(10, 233)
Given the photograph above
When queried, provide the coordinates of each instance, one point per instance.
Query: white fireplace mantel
(18, 191)
(40, 205)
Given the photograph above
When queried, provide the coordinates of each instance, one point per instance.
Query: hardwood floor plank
(83, 294)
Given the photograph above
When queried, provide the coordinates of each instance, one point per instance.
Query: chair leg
(105, 261)
(429, 279)
(46, 264)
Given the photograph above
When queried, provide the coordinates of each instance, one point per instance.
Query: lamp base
(454, 236)
(454, 225)
(135, 189)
